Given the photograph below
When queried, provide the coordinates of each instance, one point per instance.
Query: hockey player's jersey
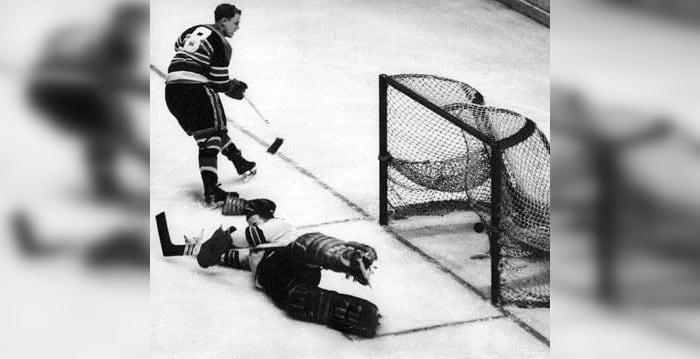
(202, 55)
(275, 232)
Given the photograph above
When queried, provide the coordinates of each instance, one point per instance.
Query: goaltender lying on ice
(287, 265)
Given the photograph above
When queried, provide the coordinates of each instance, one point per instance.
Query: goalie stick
(166, 245)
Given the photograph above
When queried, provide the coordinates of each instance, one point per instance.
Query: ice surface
(312, 69)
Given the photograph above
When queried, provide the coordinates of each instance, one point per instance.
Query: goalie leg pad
(351, 258)
(234, 207)
(342, 312)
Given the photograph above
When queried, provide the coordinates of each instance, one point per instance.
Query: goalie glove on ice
(236, 89)
(210, 251)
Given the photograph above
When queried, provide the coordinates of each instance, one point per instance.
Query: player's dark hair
(225, 11)
(263, 207)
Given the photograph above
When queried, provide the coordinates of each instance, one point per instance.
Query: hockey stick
(278, 141)
(275, 144)
(157, 71)
(169, 249)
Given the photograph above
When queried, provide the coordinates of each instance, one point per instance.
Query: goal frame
(495, 170)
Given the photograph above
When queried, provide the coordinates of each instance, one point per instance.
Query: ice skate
(358, 262)
(215, 196)
(246, 169)
(352, 258)
(248, 175)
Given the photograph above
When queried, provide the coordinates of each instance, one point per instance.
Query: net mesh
(436, 167)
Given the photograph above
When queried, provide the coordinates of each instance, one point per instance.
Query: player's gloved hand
(236, 89)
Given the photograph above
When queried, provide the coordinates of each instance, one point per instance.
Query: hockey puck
(479, 227)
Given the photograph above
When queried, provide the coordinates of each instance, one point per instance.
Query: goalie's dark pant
(293, 286)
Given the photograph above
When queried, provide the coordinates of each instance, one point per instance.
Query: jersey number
(195, 39)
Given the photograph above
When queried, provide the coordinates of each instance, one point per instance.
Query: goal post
(442, 150)
(383, 154)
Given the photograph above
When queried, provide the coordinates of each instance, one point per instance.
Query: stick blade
(275, 146)
(166, 245)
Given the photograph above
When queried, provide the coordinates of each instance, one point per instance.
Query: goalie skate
(359, 263)
(352, 258)
(215, 197)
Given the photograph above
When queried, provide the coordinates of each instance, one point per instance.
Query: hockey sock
(192, 249)
(235, 258)
(209, 147)
(193, 244)
(230, 150)
(208, 168)
(234, 155)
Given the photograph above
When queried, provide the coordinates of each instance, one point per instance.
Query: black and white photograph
(349, 178)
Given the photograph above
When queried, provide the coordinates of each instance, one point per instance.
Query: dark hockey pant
(199, 112)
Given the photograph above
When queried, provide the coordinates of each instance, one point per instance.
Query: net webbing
(437, 167)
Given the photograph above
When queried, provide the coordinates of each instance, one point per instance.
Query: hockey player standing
(197, 73)
(287, 265)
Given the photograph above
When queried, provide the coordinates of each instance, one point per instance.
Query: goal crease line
(431, 327)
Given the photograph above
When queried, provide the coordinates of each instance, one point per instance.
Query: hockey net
(442, 150)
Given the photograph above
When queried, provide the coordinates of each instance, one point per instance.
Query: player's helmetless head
(259, 210)
(255, 220)
(227, 18)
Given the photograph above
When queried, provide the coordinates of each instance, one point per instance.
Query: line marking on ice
(307, 173)
(431, 327)
(339, 221)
